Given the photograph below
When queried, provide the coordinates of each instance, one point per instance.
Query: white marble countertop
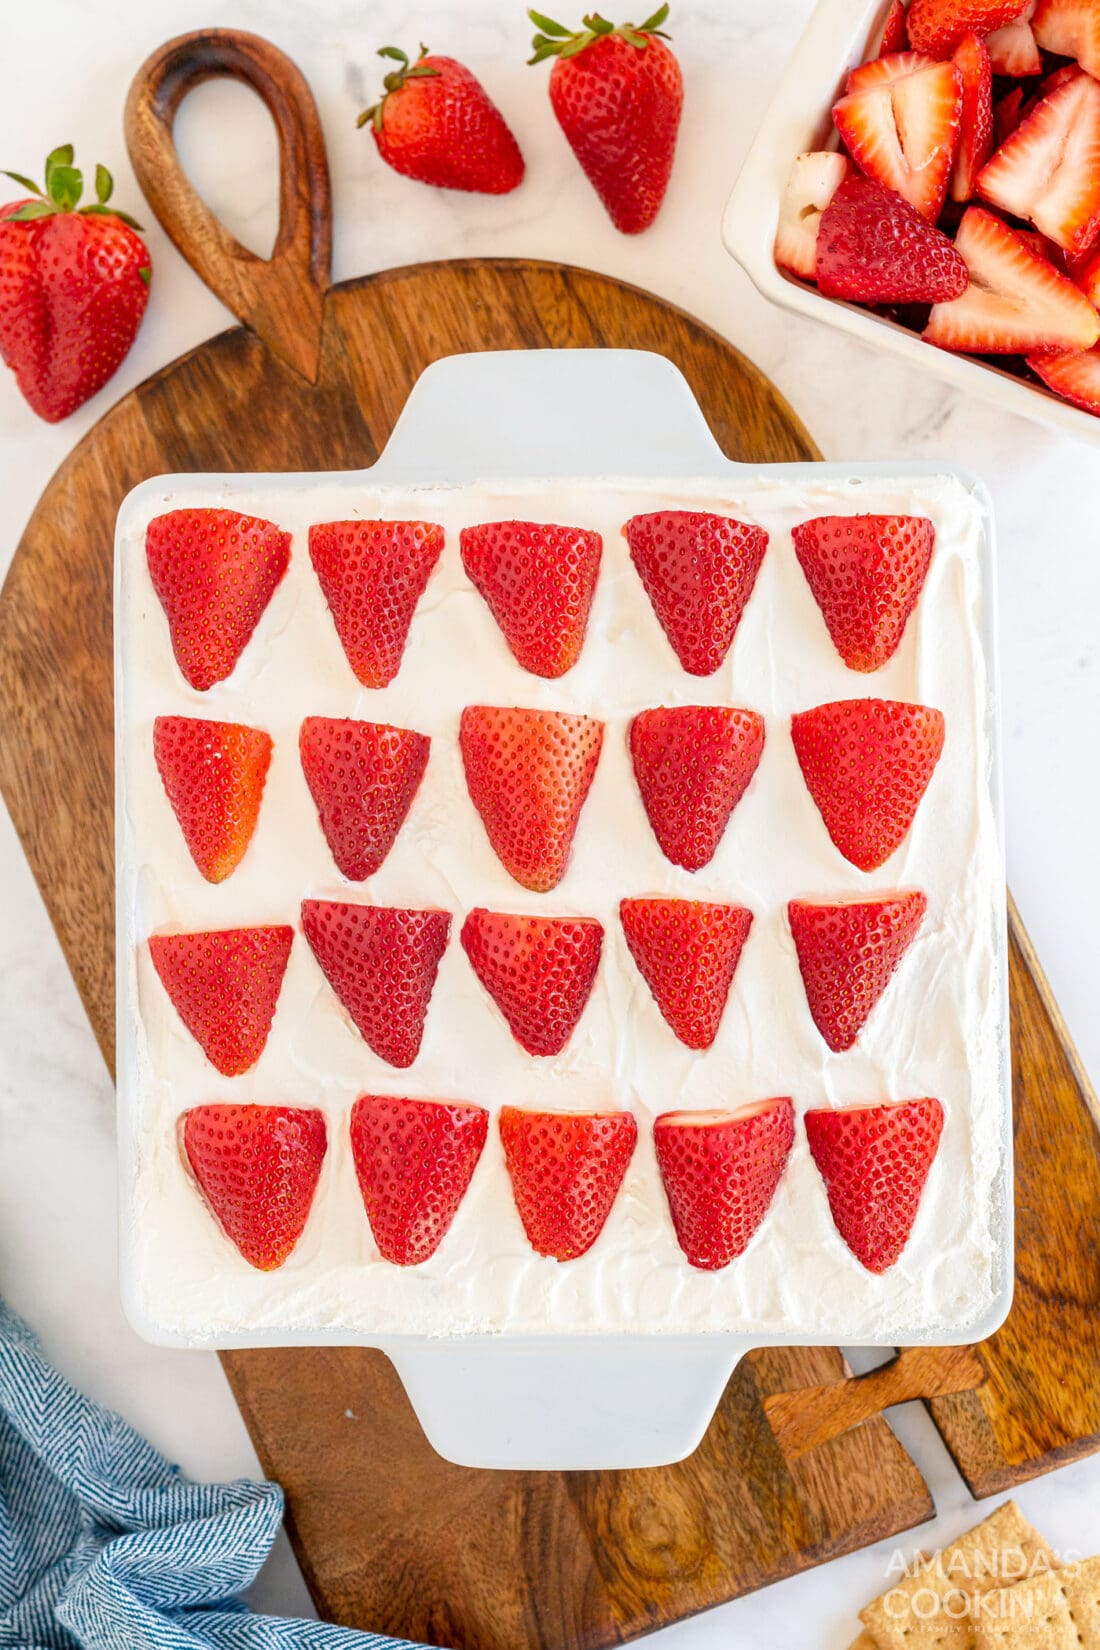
(57, 1238)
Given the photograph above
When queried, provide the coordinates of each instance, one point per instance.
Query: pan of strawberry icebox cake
(560, 909)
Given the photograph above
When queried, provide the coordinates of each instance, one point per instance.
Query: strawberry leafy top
(396, 78)
(555, 40)
(63, 192)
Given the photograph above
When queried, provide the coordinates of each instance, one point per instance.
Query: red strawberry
(1016, 301)
(214, 572)
(866, 574)
(1013, 49)
(1075, 376)
(809, 189)
(436, 122)
(1087, 277)
(373, 573)
(363, 777)
(698, 570)
(847, 952)
(895, 34)
(972, 60)
(874, 248)
(213, 774)
(413, 1160)
(381, 962)
(257, 1167)
(1048, 170)
(1071, 28)
(693, 765)
(687, 952)
(867, 763)
(904, 132)
(528, 773)
(617, 94)
(937, 26)
(538, 970)
(874, 1161)
(566, 1170)
(720, 1171)
(538, 581)
(74, 282)
(1006, 115)
(224, 986)
(886, 68)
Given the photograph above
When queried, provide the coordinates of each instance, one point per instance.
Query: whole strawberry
(436, 122)
(617, 93)
(74, 282)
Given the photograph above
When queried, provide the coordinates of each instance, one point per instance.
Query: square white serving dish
(537, 1400)
(837, 38)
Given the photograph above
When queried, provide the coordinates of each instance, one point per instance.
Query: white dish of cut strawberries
(564, 910)
(950, 184)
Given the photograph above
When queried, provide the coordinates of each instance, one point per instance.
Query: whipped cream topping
(938, 1031)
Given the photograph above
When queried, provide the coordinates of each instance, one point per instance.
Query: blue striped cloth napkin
(105, 1546)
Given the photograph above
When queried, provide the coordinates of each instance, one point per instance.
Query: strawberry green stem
(554, 40)
(394, 81)
(63, 191)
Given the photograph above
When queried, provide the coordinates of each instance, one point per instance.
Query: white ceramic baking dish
(536, 1401)
(839, 35)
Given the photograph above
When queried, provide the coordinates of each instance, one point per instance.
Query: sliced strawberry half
(698, 570)
(867, 763)
(373, 573)
(214, 572)
(528, 773)
(566, 1170)
(1006, 114)
(975, 69)
(937, 26)
(257, 1168)
(1013, 49)
(362, 777)
(895, 34)
(213, 774)
(720, 1171)
(414, 1160)
(1016, 301)
(1070, 28)
(687, 953)
(874, 1161)
(224, 986)
(538, 580)
(848, 951)
(866, 574)
(1087, 276)
(538, 970)
(381, 961)
(693, 765)
(874, 248)
(888, 66)
(904, 132)
(1075, 376)
(1048, 170)
(809, 188)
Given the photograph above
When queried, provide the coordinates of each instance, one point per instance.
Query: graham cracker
(1058, 1611)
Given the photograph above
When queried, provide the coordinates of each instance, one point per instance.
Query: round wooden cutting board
(390, 1536)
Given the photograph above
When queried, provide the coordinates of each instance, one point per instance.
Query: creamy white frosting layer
(937, 1031)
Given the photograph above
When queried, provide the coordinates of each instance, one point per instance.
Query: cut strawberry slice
(538, 581)
(1087, 277)
(214, 572)
(937, 26)
(224, 986)
(1006, 115)
(538, 970)
(362, 777)
(1048, 170)
(720, 1170)
(895, 34)
(1013, 49)
(887, 67)
(848, 951)
(866, 574)
(867, 763)
(213, 774)
(566, 1170)
(414, 1160)
(372, 574)
(1016, 301)
(257, 1168)
(904, 133)
(698, 570)
(528, 773)
(810, 184)
(693, 764)
(381, 961)
(874, 248)
(1070, 28)
(975, 69)
(1075, 376)
(874, 1161)
(687, 952)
